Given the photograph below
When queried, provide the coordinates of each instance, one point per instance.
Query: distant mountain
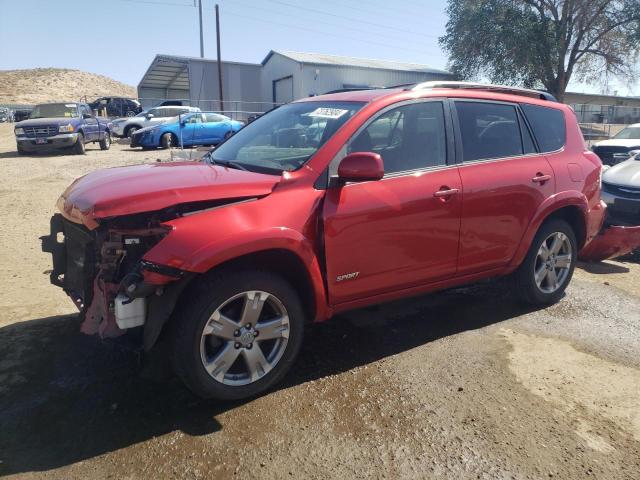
(40, 85)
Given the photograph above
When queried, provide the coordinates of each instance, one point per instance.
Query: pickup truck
(67, 126)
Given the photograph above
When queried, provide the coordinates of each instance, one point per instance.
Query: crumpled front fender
(614, 241)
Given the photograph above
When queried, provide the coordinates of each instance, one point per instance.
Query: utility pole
(201, 35)
(219, 60)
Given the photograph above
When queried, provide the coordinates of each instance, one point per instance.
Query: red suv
(324, 205)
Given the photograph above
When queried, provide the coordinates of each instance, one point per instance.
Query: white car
(124, 127)
(619, 148)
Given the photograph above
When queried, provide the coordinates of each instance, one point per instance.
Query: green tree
(542, 43)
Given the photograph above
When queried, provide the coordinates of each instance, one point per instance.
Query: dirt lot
(462, 384)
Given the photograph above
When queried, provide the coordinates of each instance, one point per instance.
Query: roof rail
(525, 92)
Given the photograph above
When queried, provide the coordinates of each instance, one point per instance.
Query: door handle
(445, 192)
(541, 178)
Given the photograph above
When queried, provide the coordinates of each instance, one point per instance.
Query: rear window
(548, 126)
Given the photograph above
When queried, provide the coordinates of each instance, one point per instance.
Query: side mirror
(87, 115)
(149, 115)
(361, 167)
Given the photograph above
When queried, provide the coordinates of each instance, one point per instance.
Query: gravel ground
(460, 384)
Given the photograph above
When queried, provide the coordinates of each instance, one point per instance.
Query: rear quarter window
(548, 126)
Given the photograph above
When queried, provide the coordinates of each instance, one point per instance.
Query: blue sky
(119, 38)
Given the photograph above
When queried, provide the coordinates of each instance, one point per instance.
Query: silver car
(621, 191)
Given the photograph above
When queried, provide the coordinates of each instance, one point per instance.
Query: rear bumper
(63, 140)
(117, 130)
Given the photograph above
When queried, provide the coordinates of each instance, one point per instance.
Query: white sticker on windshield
(331, 113)
(70, 105)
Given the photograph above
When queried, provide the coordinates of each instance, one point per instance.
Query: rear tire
(548, 267)
(79, 147)
(106, 142)
(246, 326)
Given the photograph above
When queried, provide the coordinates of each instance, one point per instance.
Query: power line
(380, 25)
(324, 34)
(394, 37)
(381, 11)
(153, 2)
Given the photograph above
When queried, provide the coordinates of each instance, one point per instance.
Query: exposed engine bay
(102, 269)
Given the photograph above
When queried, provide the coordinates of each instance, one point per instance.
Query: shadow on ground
(602, 268)
(65, 397)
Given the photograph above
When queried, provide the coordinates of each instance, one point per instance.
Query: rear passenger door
(504, 181)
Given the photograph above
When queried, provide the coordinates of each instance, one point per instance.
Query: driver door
(90, 124)
(191, 130)
(401, 231)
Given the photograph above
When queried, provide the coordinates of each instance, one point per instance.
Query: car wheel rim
(132, 131)
(245, 338)
(553, 262)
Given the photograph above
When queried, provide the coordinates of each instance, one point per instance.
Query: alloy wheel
(244, 338)
(553, 262)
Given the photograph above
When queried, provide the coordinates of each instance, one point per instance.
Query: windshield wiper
(228, 163)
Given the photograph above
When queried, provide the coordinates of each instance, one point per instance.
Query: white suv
(124, 127)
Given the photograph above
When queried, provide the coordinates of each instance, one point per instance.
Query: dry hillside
(57, 84)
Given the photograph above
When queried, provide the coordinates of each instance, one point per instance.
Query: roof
(171, 71)
(324, 59)
(505, 94)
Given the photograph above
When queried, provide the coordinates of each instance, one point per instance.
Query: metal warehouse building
(281, 77)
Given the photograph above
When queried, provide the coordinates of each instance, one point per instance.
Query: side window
(195, 119)
(154, 112)
(548, 126)
(85, 109)
(407, 138)
(214, 117)
(488, 130)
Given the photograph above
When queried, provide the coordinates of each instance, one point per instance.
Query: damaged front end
(613, 241)
(103, 272)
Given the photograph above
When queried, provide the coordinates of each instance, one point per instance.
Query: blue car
(187, 130)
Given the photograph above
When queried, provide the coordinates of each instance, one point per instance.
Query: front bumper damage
(102, 271)
(613, 241)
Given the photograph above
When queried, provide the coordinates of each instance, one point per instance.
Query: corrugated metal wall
(251, 88)
(319, 79)
(241, 86)
(309, 80)
(276, 68)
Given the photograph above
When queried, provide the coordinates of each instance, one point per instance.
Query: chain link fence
(606, 114)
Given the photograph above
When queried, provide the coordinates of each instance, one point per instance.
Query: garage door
(283, 90)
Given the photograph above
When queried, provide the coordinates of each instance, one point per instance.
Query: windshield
(55, 110)
(628, 133)
(285, 138)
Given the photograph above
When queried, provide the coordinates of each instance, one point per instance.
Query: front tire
(548, 267)
(131, 130)
(79, 147)
(106, 142)
(237, 334)
(167, 140)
